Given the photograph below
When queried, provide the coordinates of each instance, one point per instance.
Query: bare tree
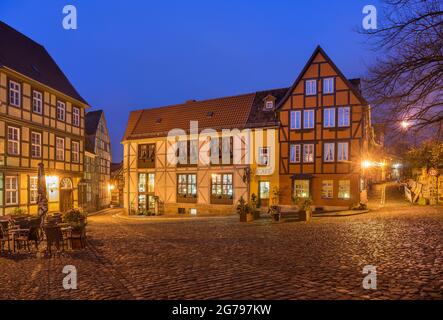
(406, 82)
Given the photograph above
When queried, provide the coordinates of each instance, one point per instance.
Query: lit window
(327, 189)
(36, 145)
(60, 149)
(295, 153)
(13, 141)
(344, 189)
(343, 151)
(329, 152)
(308, 119)
(76, 116)
(37, 102)
(295, 119)
(187, 186)
(15, 94)
(61, 111)
(301, 188)
(33, 189)
(221, 186)
(308, 153)
(264, 187)
(263, 157)
(146, 182)
(311, 87)
(329, 118)
(344, 114)
(328, 85)
(11, 190)
(75, 151)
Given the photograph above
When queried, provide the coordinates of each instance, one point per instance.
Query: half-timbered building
(323, 136)
(41, 120)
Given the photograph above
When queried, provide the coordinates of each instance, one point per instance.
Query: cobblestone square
(221, 258)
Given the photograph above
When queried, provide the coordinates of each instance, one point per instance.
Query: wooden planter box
(276, 217)
(76, 244)
(305, 215)
(248, 217)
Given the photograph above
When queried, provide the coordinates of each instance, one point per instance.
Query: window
(36, 145)
(301, 188)
(59, 149)
(327, 189)
(343, 151)
(269, 105)
(328, 85)
(344, 114)
(37, 102)
(15, 94)
(61, 111)
(76, 116)
(263, 157)
(308, 153)
(187, 187)
(295, 119)
(311, 87)
(33, 189)
(11, 190)
(329, 152)
(329, 118)
(146, 182)
(13, 141)
(146, 155)
(264, 187)
(75, 151)
(221, 187)
(295, 153)
(308, 119)
(344, 189)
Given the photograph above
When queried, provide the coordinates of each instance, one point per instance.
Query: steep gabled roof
(92, 119)
(352, 86)
(265, 118)
(27, 57)
(220, 113)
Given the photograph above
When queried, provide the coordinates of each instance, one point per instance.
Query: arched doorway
(66, 195)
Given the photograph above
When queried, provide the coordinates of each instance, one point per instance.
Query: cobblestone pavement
(220, 258)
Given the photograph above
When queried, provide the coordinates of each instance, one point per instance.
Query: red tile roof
(221, 113)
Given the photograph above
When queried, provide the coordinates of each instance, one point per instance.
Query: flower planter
(246, 217)
(276, 217)
(305, 215)
(76, 244)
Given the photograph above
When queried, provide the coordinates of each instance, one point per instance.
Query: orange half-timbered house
(323, 137)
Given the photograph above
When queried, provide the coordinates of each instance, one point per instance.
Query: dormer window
(269, 103)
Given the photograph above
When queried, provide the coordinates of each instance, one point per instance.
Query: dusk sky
(128, 55)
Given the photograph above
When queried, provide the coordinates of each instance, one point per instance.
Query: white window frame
(33, 189)
(14, 142)
(295, 116)
(327, 189)
(263, 156)
(344, 122)
(343, 151)
(76, 116)
(328, 146)
(269, 105)
(328, 85)
(311, 87)
(295, 153)
(308, 153)
(36, 146)
(75, 151)
(11, 188)
(308, 119)
(37, 102)
(59, 152)
(329, 118)
(341, 191)
(61, 111)
(15, 93)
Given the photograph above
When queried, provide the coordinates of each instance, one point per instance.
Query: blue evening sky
(133, 54)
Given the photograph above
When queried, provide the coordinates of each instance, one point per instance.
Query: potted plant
(304, 207)
(245, 211)
(274, 208)
(254, 206)
(77, 220)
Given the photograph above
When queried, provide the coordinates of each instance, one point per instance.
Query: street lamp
(405, 124)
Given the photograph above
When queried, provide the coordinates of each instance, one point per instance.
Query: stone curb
(163, 218)
(346, 213)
